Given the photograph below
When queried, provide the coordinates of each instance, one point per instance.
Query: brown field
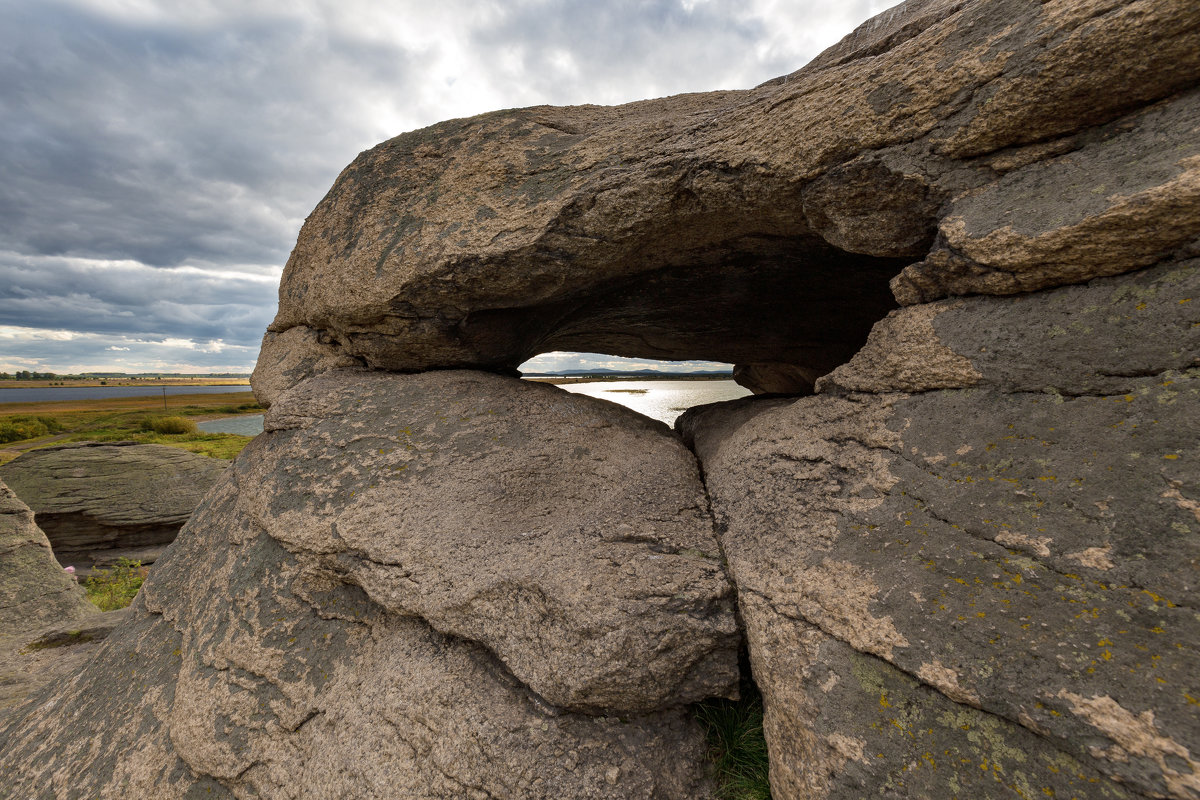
(148, 403)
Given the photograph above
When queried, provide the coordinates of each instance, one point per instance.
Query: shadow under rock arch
(788, 305)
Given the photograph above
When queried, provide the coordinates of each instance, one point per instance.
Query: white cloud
(48, 350)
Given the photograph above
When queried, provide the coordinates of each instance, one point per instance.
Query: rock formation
(993, 584)
(34, 590)
(419, 586)
(100, 502)
(36, 596)
(764, 226)
(966, 566)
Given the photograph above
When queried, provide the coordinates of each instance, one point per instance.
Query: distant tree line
(26, 375)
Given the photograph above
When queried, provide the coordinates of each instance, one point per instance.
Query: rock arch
(959, 592)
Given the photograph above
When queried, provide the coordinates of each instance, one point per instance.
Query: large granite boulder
(987, 589)
(993, 146)
(99, 502)
(441, 585)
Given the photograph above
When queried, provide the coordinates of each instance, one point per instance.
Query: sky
(158, 158)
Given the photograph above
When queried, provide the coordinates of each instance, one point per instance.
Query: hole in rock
(661, 390)
(785, 310)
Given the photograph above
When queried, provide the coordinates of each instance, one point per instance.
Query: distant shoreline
(149, 383)
(565, 379)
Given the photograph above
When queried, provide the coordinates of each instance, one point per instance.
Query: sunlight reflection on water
(661, 400)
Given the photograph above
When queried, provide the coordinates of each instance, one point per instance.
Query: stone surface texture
(450, 584)
(36, 597)
(1089, 338)
(99, 502)
(991, 588)
(34, 589)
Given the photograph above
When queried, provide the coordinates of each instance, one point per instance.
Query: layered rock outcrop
(966, 565)
(98, 503)
(34, 589)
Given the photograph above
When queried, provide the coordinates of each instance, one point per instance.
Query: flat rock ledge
(98, 502)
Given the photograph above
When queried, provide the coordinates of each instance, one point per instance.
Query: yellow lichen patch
(1158, 599)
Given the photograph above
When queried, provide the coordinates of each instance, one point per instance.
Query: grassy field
(27, 426)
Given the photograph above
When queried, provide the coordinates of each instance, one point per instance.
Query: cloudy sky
(157, 157)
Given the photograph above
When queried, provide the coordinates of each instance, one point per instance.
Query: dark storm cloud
(163, 144)
(132, 299)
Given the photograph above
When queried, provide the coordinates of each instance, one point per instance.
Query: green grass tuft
(169, 425)
(737, 746)
(115, 588)
(18, 428)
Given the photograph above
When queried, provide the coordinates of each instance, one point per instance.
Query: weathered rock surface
(292, 356)
(989, 587)
(50, 655)
(403, 588)
(36, 596)
(34, 590)
(1001, 145)
(569, 536)
(968, 566)
(1086, 339)
(100, 502)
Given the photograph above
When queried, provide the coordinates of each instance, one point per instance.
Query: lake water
(51, 393)
(246, 425)
(662, 400)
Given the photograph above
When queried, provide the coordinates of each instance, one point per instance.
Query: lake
(661, 400)
(51, 393)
